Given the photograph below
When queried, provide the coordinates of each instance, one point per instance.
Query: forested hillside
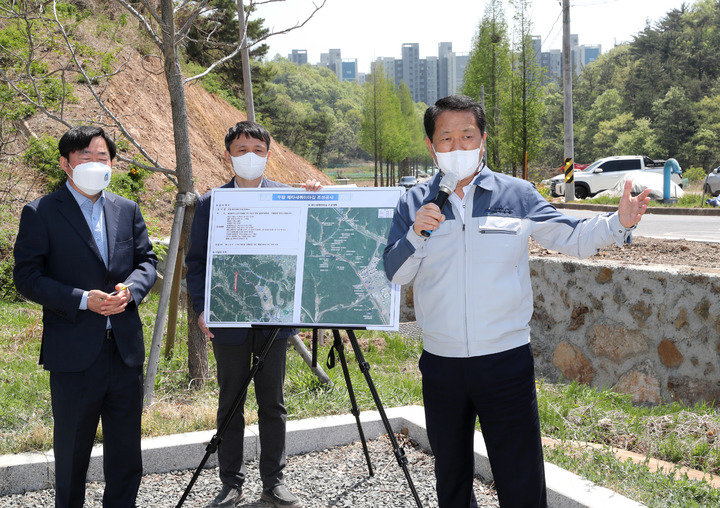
(658, 96)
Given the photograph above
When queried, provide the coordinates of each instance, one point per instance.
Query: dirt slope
(682, 254)
(139, 97)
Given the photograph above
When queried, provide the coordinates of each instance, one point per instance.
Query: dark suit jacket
(196, 262)
(56, 259)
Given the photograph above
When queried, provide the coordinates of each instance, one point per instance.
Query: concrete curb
(34, 471)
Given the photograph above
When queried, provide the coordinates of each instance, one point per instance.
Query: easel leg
(217, 438)
(399, 452)
(339, 347)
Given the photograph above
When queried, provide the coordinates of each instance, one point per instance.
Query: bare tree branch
(97, 97)
(169, 173)
(212, 67)
(286, 30)
(147, 69)
(200, 9)
(239, 47)
(144, 21)
(36, 103)
(155, 14)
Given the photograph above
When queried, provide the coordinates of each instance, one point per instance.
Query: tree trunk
(197, 342)
(197, 347)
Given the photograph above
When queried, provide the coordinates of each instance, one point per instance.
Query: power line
(547, 37)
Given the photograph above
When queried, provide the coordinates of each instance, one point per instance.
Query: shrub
(694, 174)
(44, 156)
(8, 292)
(544, 191)
(129, 184)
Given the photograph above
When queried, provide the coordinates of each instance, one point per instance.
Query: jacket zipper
(465, 276)
(498, 232)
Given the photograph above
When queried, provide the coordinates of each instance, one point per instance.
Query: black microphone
(447, 186)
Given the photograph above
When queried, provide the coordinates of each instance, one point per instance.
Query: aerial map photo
(343, 278)
(253, 288)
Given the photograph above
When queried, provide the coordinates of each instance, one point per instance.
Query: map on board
(250, 287)
(291, 257)
(344, 278)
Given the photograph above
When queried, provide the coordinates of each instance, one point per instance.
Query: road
(672, 227)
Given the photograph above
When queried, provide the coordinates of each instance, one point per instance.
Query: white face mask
(249, 166)
(463, 163)
(91, 177)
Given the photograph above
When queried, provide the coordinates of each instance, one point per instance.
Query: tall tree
(674, 120)
(489, 67)
(553, 149)
(373, 129)
(411, 130)
(527, 104)
(396, 142)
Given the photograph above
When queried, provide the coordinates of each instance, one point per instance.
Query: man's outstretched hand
(631, 209)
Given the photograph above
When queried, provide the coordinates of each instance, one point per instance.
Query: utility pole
(245, 53)
(568, 106)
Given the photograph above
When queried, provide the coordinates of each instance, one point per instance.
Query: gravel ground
(335, 477)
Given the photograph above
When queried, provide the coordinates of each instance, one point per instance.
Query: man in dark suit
(84, 255)
(247, 148)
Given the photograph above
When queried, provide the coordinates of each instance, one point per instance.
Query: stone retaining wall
(653, 332)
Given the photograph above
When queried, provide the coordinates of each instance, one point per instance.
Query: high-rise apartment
(298, 56)
(444, 52)
(411, 68)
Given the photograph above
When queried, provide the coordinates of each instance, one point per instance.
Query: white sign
(288, 257)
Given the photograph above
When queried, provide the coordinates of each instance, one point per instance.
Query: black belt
(109, 334)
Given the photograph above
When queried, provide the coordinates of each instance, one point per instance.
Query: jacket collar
(69, 208)
(485, 179)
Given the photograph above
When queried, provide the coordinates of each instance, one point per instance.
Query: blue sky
(367, 29)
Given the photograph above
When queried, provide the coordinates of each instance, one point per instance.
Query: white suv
(605, 173)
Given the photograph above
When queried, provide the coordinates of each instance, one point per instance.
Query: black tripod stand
(338, 347)
(215, 441)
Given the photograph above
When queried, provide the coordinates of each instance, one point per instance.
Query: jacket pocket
(495, 241)
(124, 245)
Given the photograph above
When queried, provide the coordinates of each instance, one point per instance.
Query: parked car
(711, 184)
(605, 173)
(408, 181)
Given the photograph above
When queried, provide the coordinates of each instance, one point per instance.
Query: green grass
(359, 172)
(653, 489)
(689, 200)
(571, 412)
(26, 417)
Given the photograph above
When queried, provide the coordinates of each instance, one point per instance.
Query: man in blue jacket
(247, 149)
(84, 255)
(474, 302)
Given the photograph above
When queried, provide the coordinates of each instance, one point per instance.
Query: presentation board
(285, 256)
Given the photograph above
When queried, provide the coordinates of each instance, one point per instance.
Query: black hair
(453, 103)
(79, 138)
(249, 129)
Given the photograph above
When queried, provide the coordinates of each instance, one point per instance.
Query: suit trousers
(499, 389)
(233, 367)
(107, 390)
